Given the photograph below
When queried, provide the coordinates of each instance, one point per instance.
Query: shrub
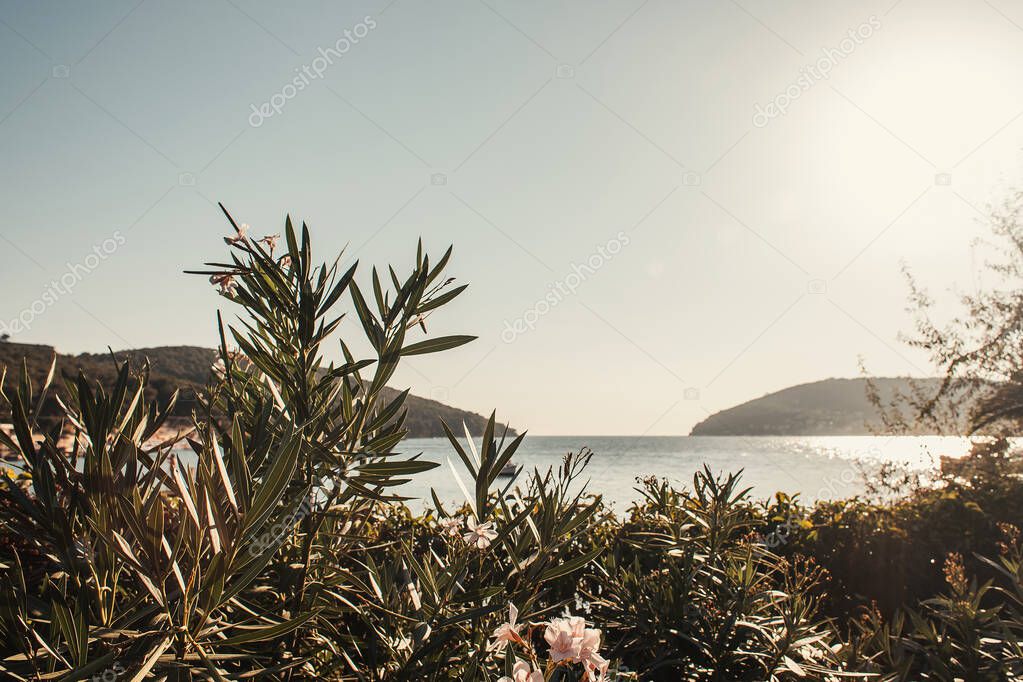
(276, 555)
(688, 591)
(889, 554)
(284, 552)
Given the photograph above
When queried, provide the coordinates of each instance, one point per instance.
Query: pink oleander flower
(239, 235)
(570, 640)
(271, 241)
(480, 534)
(284, 262)
(589, 642)
(595, 664)
(523, 672)
(564, 637)
(452, 526)
(596, 667)
(508, 632)
(226, 283)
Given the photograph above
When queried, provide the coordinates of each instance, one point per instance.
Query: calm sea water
(815, 467)
(822, 467)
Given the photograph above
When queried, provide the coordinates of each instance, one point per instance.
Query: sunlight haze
(658, 251)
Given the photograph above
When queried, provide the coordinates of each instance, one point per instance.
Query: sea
(815, 468)
(812, 467)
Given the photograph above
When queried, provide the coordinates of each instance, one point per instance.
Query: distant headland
(832, 407)
(187, 367)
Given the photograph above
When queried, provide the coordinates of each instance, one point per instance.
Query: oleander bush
(687, 591)
(282, 553)
(886, 554)
(280, 550)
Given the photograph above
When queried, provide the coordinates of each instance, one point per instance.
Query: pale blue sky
(757, 256)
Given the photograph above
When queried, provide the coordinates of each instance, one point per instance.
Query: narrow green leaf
(440, 343)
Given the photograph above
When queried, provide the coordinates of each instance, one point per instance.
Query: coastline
(169, 432)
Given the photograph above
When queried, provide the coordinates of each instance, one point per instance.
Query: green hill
(832, 407)
(186, 367)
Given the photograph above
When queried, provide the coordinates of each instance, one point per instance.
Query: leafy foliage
(282, 552)
(978, 349)
(687, 591)
(270, 557)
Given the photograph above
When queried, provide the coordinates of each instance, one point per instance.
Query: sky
(662, 208)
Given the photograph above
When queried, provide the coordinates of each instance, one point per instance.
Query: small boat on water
(509, 469)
